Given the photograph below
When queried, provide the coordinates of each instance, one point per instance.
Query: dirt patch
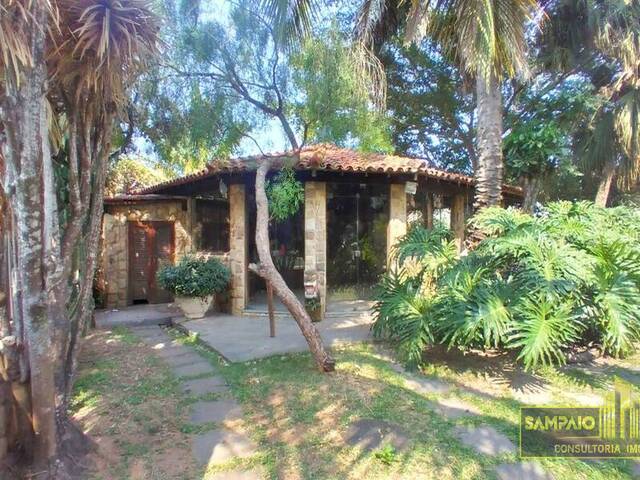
(129, 404)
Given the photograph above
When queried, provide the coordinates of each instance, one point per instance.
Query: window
(212, 219)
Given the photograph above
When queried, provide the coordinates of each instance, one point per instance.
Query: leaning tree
(65, 69)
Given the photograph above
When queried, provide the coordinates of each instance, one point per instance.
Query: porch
(356, 207)
(246, 337)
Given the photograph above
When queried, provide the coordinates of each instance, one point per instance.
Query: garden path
(216, 417)
(219, 435)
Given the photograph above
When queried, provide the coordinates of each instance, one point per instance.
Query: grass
(128, 401)
(298, 415)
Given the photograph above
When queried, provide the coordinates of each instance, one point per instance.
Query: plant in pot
(195, 281)
(313, 308)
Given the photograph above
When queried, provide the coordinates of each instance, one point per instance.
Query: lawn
(300, 418)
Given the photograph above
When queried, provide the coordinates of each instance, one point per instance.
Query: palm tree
(65, 68)
(604, 45)
(486, 37)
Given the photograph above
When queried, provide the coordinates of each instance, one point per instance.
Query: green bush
(194, 277)
(539, 285)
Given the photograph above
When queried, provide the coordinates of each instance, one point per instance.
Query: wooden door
(150, 245)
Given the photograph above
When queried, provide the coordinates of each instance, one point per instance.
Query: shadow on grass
(299, 416)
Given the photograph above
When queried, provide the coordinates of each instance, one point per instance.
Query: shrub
(538, 285)
(194, 277)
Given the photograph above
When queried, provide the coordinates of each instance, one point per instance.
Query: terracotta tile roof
(329, 157)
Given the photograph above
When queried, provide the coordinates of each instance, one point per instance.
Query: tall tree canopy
(226, 79)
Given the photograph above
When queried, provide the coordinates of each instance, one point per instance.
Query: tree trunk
(489, 139)
(29, 168)
(267, 270)
(604, 189)
(286, 126)
(531, 186)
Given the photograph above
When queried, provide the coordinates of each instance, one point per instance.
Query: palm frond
(16, 21)
(498, 221)
(487, 36)
(103, 45)
(420, 242)
(542, 330)
(476, 317)
(403, 315)
(293, 19)
(617, 309)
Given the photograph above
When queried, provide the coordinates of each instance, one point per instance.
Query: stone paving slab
(193, 369)
(522, 471)
(427, 385)
(166, 352)
(184, 359)
(242, 338)
(453, 408)
(238, 475)
(219, 446)
(486, 440)
(369, 434)
(202, 386)
(136, 315)
(215, 411)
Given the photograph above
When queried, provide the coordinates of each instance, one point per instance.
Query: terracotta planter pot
(195, 307)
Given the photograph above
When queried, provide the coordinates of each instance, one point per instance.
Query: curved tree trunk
(489, 140)
(604, 189)
(267, 270)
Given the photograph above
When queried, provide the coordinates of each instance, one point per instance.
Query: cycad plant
(539, 285)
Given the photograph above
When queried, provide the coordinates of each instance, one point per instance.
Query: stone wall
(315, 236)
(397, 216)
(114, 275)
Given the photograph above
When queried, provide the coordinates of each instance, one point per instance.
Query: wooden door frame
(151, 246)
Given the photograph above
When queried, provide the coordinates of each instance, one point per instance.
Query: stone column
(315, 236)
(428, 210)
(397, 216)
(457, 219)
(239, 248)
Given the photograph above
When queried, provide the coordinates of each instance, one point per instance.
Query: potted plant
(194, 281)
(313, 308)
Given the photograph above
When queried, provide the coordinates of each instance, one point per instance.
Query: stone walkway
(221, 438)
(483, 439)
(215, 415)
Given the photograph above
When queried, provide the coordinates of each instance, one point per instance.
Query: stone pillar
(315, 237)
(239, 248)
(457, 219)
(397, 216)
(428, 210)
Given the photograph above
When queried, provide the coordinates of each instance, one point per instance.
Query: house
(356, 205)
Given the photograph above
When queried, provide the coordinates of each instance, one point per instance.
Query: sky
(270, 136)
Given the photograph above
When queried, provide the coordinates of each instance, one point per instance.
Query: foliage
(534, 148)
(285, 194)
(312, 304)
(604, 46)
(538, 285)
(128, 173)
(334, 100)
(431, 114)
(194, 277)
(387, 454)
